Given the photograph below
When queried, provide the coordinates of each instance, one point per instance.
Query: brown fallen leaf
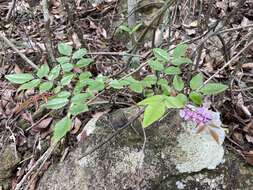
(247, 66)
(214, 135)
(249, 138)
(249, 128)
(248, 156)
(43, 124)
(200, 128)
(27, 116)
(76, 126)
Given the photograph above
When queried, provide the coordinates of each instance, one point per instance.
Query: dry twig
(12, 46)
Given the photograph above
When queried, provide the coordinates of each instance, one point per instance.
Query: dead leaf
(249, 138)
(249, 127)
(76, 126)
(17, 69)
(90, 126)
(43, 124)
(27, 116)
(76, 40)
(247, 65)
(240, 104)
(214, 135)
(200, 128)
(248, 156)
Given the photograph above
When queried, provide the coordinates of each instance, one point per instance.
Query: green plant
(130, 30)
(72, 90)
(174, 95)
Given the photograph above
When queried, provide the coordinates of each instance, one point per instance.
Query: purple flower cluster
(199, 115)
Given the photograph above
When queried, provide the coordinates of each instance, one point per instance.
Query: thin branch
(46, 15)
(8, 16)
(113, 135)
(114, 53)
(229, 62)
(234, 29)
(39, 162)
(12, 46)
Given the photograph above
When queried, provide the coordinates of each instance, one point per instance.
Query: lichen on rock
(197, 151)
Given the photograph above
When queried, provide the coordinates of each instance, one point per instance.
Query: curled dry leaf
(249, 138)
(27, 116)
(247, 66)
(248, 156)
(249, 128)
(241, 106)
(76, 126)
(17, 69)
(90, 126)
(214, 135)
(41, 126)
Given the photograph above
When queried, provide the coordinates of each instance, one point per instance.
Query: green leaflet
(56, 103)
(19, 78)
(213, 88)
(65, 49)
(152, 113)
(61, 128)
(196, 81)
(43, 71)
(29, 85)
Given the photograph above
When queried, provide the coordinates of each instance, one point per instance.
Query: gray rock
(121, 163)
(8, 161)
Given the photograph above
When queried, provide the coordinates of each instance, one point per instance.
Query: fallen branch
(12, 6)
(40, 162)
(12, 46)
(49, 45)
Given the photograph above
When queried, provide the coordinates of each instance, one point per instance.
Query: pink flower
(199, 115)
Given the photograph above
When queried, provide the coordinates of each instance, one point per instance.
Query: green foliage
(67, 67)
(76, 109)
(213, 88)
(57, 103)
(130, 30)
(45, 86)
(178, 101)
(63, 94)
(196, 97)
(152, 113)
(116, 84)
(156, 106)
(66, 79)
(178, 83)
(79, 53)
(65, 49)
(61, 129)
(84, 62)
(19, 78)
(80, 98)
(197, 81)
(179, 55)
(172, 70)
(54, 73)
(43, 71)
(156, 65)
(163, 89)
(164, 65)
(29, 85)
(150, 80)
(161, 54)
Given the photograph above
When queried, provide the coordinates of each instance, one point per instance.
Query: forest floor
(217, 33)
